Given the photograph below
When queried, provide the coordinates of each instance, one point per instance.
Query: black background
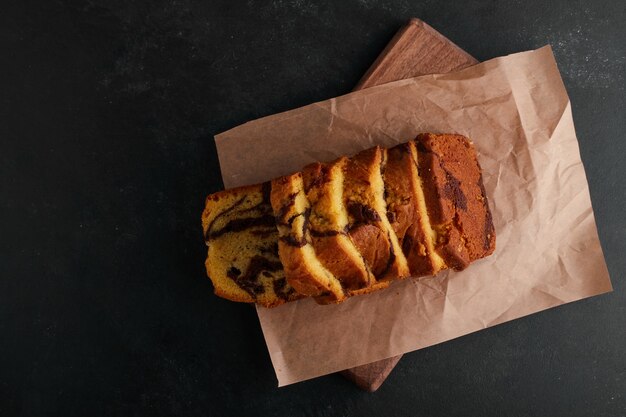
(107, 112)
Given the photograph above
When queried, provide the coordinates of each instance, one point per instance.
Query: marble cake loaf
(350, 226)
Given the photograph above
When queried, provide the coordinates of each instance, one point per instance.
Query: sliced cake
(303, 269)
(455, 198)
(351, 226)
(406, 210)
(242, 239)
(368, 226)
(328, 225)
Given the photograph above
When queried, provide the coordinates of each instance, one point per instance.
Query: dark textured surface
(106, 115)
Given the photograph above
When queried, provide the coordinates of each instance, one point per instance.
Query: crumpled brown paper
(517, 112)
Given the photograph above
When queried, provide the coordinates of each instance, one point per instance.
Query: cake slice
(242, 239)
(455, 198)
(303, 269)
(328, 223)
(406, 210)
(368, 226)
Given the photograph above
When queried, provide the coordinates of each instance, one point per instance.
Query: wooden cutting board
(417, 49)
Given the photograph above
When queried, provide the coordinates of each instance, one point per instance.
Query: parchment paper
(517, 112)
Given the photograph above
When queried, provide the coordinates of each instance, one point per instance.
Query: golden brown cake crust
(457, 205)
